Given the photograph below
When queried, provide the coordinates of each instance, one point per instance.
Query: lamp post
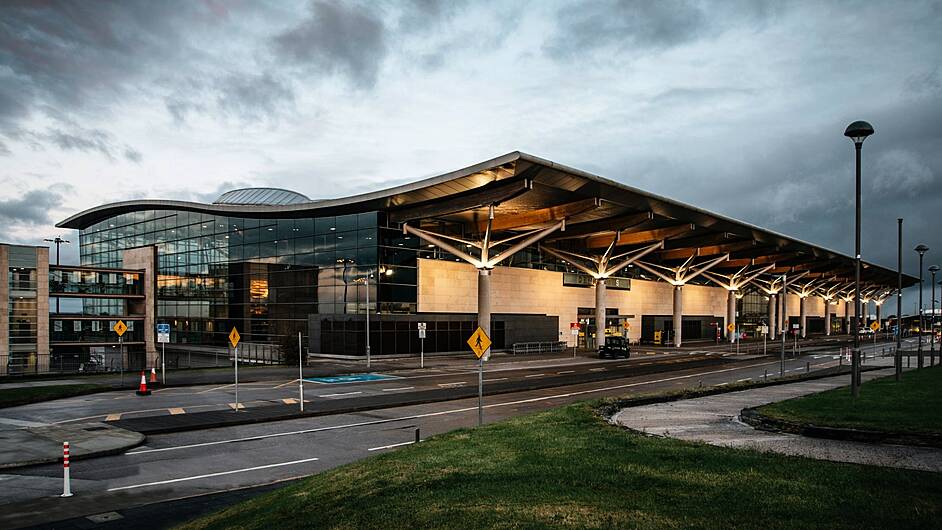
(898, 358)
(58, 241)
(933, 269)
(921, 250)
(857, 132)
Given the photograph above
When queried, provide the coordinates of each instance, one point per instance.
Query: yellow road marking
(233, 405)
(176, 410)
(289, 401)
(113, 417)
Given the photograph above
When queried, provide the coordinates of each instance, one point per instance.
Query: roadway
(194, 463)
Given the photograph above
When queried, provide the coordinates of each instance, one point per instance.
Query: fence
(538, 347)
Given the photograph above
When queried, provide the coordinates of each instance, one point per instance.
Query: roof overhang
(529, 192)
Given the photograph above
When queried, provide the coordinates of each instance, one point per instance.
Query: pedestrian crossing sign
(479, 342)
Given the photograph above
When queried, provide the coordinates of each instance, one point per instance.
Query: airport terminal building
(526, 247)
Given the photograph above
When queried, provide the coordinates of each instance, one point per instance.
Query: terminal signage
(163, 333)
(422, 328)
(574, 328)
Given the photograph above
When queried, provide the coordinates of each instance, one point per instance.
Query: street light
(921, 249)
(58, 241)
(933, 269)
(857, 132)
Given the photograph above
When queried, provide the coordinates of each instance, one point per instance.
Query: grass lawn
(912, 405)
(11, 397)
(567, 467)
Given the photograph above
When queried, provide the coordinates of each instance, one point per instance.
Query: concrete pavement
(715, 420)
(43, 444)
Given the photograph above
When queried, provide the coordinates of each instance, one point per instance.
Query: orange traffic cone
(142, 391)
(153, 376)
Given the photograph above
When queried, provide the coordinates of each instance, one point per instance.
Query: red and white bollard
(66, 484)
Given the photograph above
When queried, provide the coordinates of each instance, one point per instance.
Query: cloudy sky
(735, 106)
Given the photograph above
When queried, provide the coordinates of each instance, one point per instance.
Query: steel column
(484, 304)
(773, 322)
(731, 314)
(678, 313)
(803, 315)
(827, 317)
(600, 299)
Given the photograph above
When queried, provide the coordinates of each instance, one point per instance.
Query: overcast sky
(737, 107)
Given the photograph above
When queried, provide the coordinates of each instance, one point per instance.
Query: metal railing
(538, 347)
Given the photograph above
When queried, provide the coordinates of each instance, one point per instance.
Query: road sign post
(234, 340)
(480, 343)
(163, 337)
(120, 327)
(300, 373)
(422, 328)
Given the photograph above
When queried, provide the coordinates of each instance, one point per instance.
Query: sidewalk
(43, 444)
(715, 420)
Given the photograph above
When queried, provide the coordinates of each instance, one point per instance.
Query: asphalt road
(196, 463)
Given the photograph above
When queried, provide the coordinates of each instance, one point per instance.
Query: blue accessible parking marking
(359, 378)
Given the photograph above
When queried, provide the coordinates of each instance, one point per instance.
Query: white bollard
(66, 484)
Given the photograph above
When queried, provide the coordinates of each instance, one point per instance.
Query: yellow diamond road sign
(875, 326)
(234, 337)
(120, 327)
(479, 342)
(731, 327)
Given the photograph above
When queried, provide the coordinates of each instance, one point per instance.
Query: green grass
(12, 397)
(569, 468)
(911, 406)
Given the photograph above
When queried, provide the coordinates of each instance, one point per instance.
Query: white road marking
(390, 446)
(208, 475)
(624, 365)
(397, 389)
(567, 372)
(442, 412)
(495, 379)
(216, 388)
(596, 369)
(341, 394)
(721, 384)
(536, 375)
(744, 380)
(285, 384)
(459, 383)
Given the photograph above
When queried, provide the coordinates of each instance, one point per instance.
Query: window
(77, 325)
(57, 325)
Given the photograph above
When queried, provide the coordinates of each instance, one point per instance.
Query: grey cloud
(88, 140)
(640, 24)
(32, 208)
(253, 98)
(4, 150)
(901, 171)
(338, 38)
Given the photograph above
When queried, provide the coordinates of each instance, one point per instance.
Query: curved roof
(267, 196)
(527, 192)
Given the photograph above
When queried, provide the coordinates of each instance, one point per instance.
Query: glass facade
(266, 276)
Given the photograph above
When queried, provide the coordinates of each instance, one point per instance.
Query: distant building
(60, 318)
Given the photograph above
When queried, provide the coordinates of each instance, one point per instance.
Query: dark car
(615, 347)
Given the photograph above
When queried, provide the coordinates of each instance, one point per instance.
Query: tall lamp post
(933, 269)
(921, 250)
(858, 132)
(898, 358)
(58, 241)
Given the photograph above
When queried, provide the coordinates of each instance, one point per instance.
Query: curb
(83, 456)
(760, 421)
(609, 411)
